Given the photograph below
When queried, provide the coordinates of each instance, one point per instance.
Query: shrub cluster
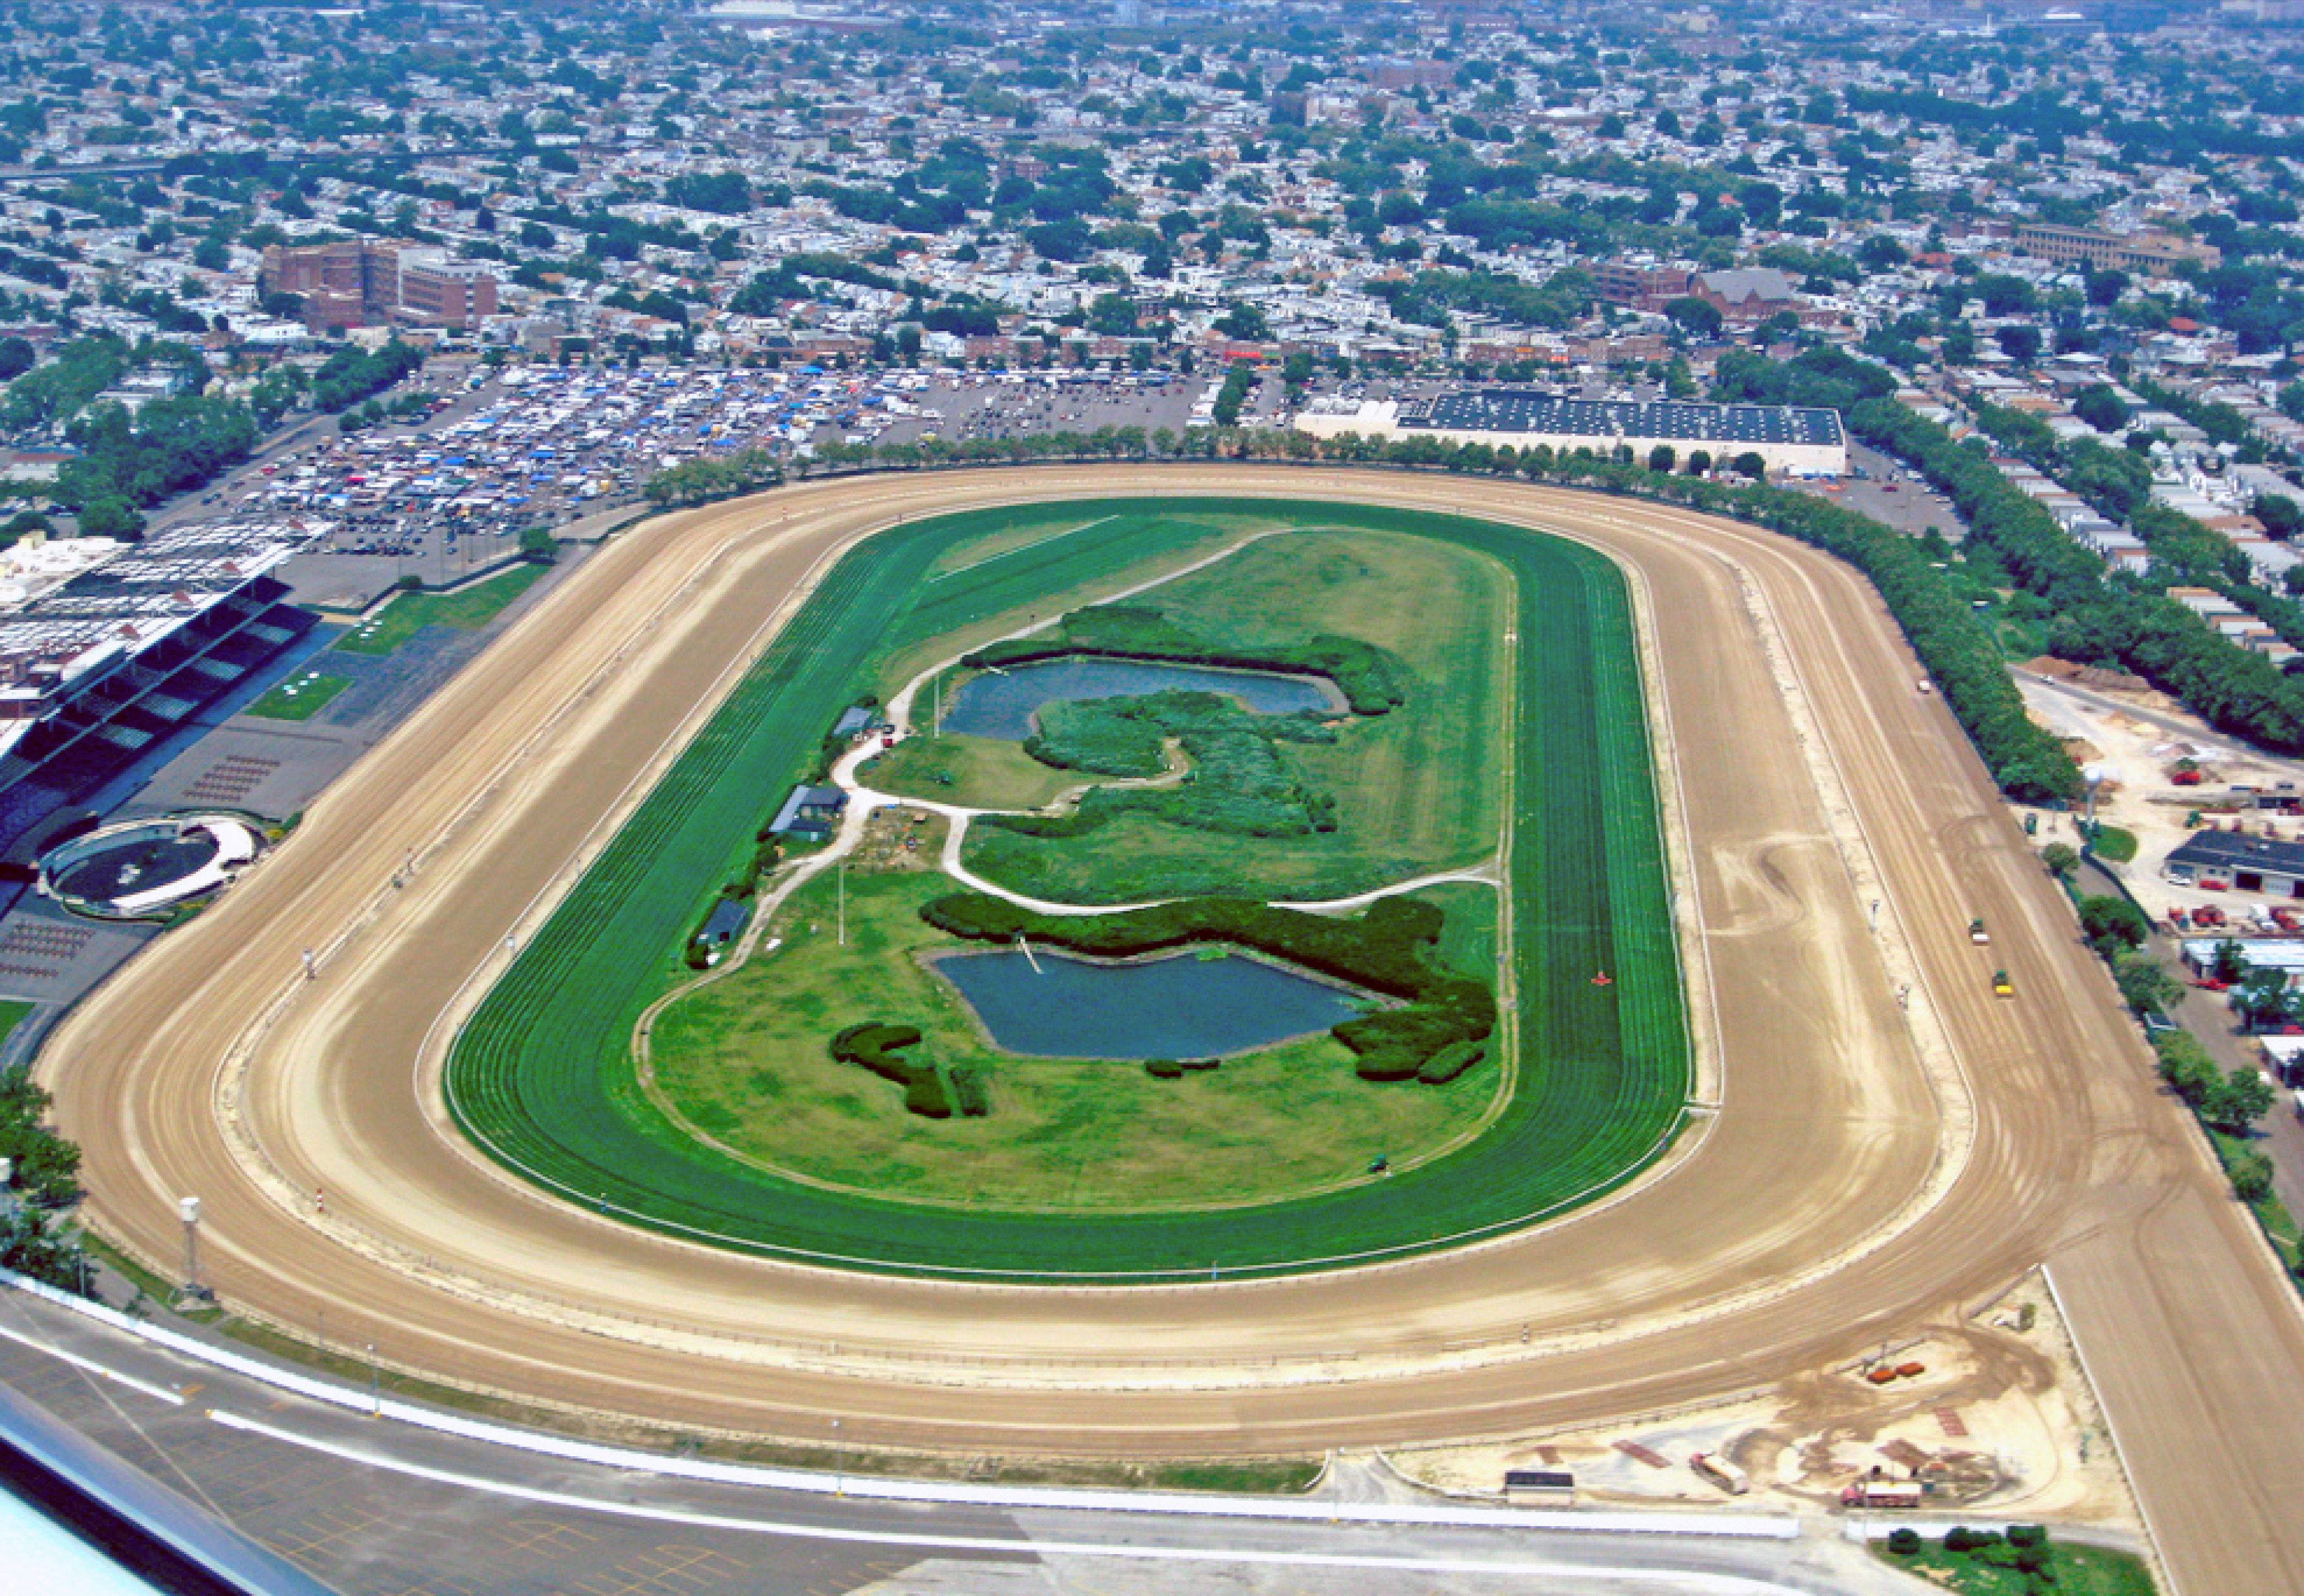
(1238, 783)
(1388, 950)
(876, 1044)
(1175, 1069)
(1371, 680)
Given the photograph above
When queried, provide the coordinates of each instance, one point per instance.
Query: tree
(2238, 1100)
(111, 517)
(2100, 408)
(1661, 458)
(2111, 923)
(1751, 464)
(2062, 858)
(16, 358)
(2185, 1066)
(1698, 317)
(2251, 1177)
(2228, 961)
(2282, 516)
(2019, 342)
(2146, 985)
(2262, 1000)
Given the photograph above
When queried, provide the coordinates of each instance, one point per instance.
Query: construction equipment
(2003, 987)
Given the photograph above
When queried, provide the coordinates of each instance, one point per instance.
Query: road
(1875, 1166)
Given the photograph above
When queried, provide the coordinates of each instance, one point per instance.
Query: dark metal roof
(1540, 1478)
(1525, 410)
(2231, 851)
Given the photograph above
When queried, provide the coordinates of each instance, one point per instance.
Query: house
(810, 812)
(723, 925)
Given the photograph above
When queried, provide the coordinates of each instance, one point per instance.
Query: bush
(875, 1044)
(1903, 1542)
(1450, 1062)
(2027, 1535)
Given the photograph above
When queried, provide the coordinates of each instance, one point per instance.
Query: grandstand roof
(1526, 410)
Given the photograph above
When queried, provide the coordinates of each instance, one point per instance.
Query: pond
(1179, 1007)
(1003, 703)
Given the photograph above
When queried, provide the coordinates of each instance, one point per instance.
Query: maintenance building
(2243, 863)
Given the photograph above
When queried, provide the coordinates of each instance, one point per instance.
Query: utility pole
(840, 876)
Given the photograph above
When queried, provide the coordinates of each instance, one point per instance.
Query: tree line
(1957, 648)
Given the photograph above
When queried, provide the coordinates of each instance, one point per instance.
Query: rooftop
(1524, 409)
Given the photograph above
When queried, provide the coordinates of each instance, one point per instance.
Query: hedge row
(875, 1044)
(1388, 950)
(1371, 680)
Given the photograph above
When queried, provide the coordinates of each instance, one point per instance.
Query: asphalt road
(1874, 1167)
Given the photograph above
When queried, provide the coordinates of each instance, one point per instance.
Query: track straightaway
(1851, 1186)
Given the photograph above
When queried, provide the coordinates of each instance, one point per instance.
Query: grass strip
(467, 609)
(300, 697)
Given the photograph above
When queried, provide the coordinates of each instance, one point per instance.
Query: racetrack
(1871, 1168)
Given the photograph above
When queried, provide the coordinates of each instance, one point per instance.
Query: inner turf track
(540, 1076)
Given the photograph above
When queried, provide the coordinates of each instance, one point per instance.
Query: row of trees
(2100, 617)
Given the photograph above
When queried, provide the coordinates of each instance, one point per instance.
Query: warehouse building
(2220, 859)
(1800, 442)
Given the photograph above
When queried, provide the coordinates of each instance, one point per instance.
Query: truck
(2001, 986)
(1976, 933)
(1716, 1469)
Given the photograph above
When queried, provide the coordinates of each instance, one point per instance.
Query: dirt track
(1871, 1168)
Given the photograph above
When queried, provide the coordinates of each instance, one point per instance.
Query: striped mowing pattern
(541, 1076)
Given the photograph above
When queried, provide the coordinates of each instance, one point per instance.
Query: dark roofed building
(2244, 864)
(1801, 441)
(811, 812)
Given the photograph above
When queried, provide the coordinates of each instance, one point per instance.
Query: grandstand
(1806, 443)
(109, 668)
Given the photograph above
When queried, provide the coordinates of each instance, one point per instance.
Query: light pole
(375, 1386)
(187, 1210)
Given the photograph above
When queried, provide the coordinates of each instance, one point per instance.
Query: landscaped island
(1451, 766)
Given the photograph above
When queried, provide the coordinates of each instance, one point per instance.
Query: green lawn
(1418, 789)
(11, 1015)
(981, 772)
(745, 1060)
(467, 609)
(300, 697)
(2079, 1571)
(540, 1076)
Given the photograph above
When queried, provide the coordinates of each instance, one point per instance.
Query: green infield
(467, 609)
(744, 1061)
(300, 697)
(1416, 791)
(541, 1076)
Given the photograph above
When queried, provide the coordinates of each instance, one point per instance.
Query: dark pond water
(1181, 1007)
(1002, 705)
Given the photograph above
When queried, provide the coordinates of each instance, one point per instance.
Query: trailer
(1718, 1470)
